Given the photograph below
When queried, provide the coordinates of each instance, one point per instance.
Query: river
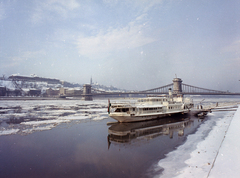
(71, 138)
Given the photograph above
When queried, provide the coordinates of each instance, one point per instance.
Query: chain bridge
(177, 87)
(180, 88)
(88, 91)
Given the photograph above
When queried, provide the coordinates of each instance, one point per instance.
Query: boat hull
(136, 118)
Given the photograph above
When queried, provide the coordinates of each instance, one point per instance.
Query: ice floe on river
(24, 117)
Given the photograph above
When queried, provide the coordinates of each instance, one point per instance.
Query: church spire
(91, 81)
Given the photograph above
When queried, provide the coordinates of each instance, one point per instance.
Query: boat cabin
(153, 100)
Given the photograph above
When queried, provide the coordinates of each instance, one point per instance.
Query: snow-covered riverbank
(227, 161)
(211, 152)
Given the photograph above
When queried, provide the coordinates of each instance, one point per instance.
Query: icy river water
(71, 138)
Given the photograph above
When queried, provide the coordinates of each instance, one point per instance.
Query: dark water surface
(85, 150)
(81, 144)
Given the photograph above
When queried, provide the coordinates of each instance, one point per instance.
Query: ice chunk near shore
(75, 117)
(57, 121)
(196, 156)
(42, 128)
(100, 117)
(8, 132)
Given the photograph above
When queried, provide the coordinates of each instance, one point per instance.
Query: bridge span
(177, 87)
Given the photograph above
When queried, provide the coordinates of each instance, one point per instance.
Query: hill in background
(23, 85)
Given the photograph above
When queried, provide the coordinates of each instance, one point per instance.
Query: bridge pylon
(177, 86)
(87, 94)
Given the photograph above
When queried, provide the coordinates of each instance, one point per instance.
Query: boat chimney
(170, 92)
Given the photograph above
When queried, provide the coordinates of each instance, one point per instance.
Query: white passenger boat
(150, 108)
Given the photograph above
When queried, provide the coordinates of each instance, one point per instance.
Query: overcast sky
(130, 44)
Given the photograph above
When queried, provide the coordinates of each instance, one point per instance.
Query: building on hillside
(34, 92)
(62, 91)
(73, 92)
(70, 91)
(52, 92)
(15, 92)
(34, 79)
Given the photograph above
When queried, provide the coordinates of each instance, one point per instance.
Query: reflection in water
(126, 132)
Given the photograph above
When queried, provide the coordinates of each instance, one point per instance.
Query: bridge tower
(87, 95)
(177, 86)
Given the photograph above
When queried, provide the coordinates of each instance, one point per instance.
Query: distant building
(62, 91)
(34, 92)
(52, 92)
(34, 79)
(15, 92)
(3, 91)
(91, 81)
(73, 92)
(70, 91)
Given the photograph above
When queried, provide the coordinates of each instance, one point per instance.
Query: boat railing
(114, 105)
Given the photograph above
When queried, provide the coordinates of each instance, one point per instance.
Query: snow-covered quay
(213, 151)
(228, 159)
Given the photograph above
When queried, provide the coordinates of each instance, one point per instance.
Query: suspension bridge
(177, 87)
(88, 91)
(180, 88)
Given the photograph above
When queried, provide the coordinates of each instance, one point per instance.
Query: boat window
(133, 109)
(122, 110)
(117, 110)
(125, 109)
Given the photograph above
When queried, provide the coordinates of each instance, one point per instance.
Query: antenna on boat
(109, 106)
(176, 75)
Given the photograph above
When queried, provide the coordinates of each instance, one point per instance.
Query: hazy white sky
(131, 44)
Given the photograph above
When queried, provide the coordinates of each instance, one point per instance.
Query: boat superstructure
(150, 108)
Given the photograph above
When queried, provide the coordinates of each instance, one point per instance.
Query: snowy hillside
(16, 85)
